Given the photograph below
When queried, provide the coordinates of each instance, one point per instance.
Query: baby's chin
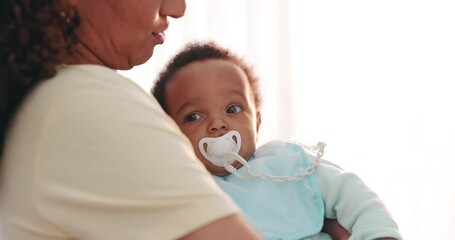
(221, 171)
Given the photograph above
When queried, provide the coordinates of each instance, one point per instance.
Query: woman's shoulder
(70, 79)
(92, 83)
(90, 74)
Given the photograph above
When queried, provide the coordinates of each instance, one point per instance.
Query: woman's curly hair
(35, 37)
(200, 51)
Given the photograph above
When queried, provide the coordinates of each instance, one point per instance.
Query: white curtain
(373, 79)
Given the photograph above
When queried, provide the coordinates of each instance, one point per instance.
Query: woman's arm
(335, 230)
(228, 228)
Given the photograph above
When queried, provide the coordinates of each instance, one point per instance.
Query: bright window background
(372, 79)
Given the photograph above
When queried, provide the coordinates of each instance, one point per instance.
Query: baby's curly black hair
(35, 37)
(200, 51)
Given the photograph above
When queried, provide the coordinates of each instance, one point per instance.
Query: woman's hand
(335, 230)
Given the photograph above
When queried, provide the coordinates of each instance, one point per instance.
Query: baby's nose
(218, 124)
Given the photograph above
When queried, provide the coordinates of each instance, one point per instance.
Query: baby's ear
(258, 120)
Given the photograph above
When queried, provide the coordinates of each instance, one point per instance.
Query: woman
(86, 153)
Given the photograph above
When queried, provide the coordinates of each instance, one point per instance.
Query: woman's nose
(218, 124)
(173, 8)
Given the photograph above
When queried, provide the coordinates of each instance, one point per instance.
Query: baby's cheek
(201, 158)
(247, 154)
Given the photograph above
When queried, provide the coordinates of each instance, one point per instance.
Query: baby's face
(210, 98)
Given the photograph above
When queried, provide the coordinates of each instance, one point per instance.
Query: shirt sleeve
(111, 165)
(356, 207)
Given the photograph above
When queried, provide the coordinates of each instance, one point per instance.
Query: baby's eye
(192, 117)
(234, 109)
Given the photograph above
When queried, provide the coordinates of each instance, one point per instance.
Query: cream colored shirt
(90, 155)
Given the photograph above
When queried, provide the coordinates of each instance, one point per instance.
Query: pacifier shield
(215, 149)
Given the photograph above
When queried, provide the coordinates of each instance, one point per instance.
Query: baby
(284, 192)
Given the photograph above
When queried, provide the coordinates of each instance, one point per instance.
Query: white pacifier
(216, 149)
(223, 151)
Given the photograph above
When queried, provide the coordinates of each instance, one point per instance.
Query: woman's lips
(159, 37)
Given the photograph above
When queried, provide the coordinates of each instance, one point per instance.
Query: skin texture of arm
(335, 230)
(219, 230)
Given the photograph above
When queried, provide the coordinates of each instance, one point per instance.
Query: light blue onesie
(296, 210)
(278, 210)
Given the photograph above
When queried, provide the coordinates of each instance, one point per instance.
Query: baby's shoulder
(278, 147)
